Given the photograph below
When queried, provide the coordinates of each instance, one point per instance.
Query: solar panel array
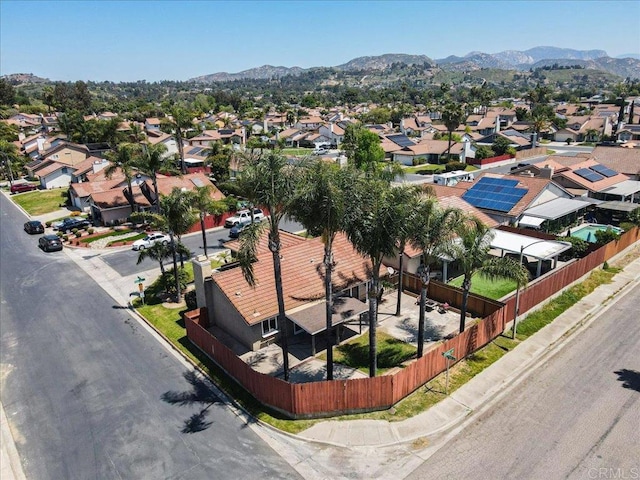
(401, 140)
(494, 194)
(195, 150)
(588, 174)
(602, 170)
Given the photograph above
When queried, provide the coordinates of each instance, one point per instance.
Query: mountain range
(628, 66)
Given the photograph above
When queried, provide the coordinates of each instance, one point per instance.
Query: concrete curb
(10, 465)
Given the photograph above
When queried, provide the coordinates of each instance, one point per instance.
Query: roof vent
(238, 293)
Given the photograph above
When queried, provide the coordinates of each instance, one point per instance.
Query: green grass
(104, 235)
(41, 202)
(128, 239)
(494, 289)
(355, 353)
(427, 168)
(297, 151)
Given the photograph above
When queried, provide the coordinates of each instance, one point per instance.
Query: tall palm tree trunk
(424, 279)
(373, 322)
(154, 180)
(183, 166)
(399, 302)
(466, 287)
(449, 147)
(274, 246)
(204, 234)
(328, 291)
(132, 202)
(175, 268)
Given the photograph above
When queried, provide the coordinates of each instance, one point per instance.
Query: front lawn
(494, 289)
(426, 169)
(298, 152)
(41, 202)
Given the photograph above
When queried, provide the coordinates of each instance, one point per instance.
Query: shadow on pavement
(200, 394)
(629, 378)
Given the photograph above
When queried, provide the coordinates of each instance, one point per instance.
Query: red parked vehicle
(23, 187)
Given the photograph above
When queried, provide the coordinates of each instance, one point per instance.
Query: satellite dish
(390, 271)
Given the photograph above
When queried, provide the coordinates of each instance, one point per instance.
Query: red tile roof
(302, 278)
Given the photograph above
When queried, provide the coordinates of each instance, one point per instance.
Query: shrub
(190, 300)
(78, 234)
(166, 282)
(48, 224)
(75, 214)
(484, 152)
(74, 231)
(65, 237)
(626, 226)
(90, 230)
(59, 234)
(578, 249)
(453, 166)
(606, 236)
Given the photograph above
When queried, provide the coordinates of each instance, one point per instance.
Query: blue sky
(177, 40)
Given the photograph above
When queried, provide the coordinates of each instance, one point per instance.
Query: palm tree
(158, 252)
(452, 116)
(471, 253)
(431, 233)
(408, 217)
(320, 204)
(123, 159)
(176, 218)
(151, 160)
(372, 224)
(181, 119)
(202, 202)
(539, 122)
(268, 180)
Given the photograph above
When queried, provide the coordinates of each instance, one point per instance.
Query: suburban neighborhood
(367, 260)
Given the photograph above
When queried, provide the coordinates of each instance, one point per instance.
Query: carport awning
(527, 221)
(312, 319)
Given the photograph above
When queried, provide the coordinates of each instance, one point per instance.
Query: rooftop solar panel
(401, 140)
(195, 150)
(494, 194)
(602, 170)
(588, 174)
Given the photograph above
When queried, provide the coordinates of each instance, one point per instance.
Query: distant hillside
(623, 67)
(629, 55)
(264, 72)
(505, 60)
(544, 53)
(380, 62)
(24, 78)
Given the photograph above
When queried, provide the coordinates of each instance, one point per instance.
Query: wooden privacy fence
(316, 399)
(327, 398)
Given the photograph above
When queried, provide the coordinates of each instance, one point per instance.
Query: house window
(297, 329)
(269, 327)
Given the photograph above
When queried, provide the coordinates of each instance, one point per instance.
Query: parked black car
(33, 226)
(71, 223)
(49, 243)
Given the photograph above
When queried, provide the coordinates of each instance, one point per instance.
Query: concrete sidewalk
(486, 387)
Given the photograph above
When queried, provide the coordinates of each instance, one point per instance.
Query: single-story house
(249, 314)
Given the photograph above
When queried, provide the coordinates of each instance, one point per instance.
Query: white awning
(530, 246)
(527, 221)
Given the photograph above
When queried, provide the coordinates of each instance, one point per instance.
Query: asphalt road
(89, 393)
(125, 261)
(577, 416)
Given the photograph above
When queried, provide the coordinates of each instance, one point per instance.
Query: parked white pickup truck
(243, 217)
